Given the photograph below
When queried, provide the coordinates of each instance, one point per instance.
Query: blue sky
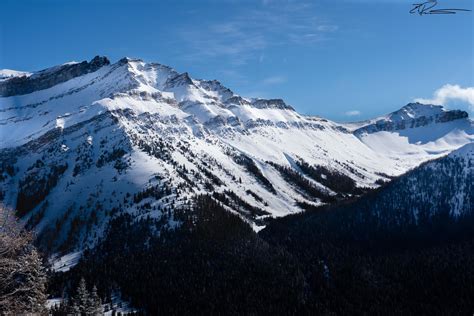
(342, 59)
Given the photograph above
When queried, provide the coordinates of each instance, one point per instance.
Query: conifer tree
(95, 303)
(22, 274)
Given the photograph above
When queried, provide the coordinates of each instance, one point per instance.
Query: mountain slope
(444, 187)
(439, 192)
(407, 247)
(84, 142)
(369, 256)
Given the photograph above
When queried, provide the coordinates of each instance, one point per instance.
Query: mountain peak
(98, 61)
(416, 110)
(410, 116)
(126, 60)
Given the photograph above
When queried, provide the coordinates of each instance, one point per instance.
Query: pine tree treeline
(336, 181)
(213, 263)
(35, 186)
(252, 168)
(399, 249)
(303, 184)
(83, 303)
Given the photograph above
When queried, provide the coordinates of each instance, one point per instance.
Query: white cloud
(353, 113)
(450, 92)
(274, 80)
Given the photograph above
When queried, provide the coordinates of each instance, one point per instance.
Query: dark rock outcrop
(50, 77)
(236, 101)
(271, 104)
(180, 80)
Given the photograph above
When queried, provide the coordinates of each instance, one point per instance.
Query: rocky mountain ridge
(83, 143)
(410, 116)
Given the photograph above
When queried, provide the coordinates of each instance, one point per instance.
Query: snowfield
(140, 138)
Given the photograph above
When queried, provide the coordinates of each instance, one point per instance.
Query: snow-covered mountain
(83, 142)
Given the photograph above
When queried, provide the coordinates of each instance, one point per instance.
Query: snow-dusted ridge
(83, 142)
(409, 116)
(466, 152)
(6, 74)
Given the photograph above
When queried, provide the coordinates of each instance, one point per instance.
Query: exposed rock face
(180, 80)
(236, 100)
(47, 78)
(271, 104)
(451, 116)
(214, 85)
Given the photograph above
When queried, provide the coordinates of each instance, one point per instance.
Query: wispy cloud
(449, 93)
(327, 28)
(353, 113)
(246, 35)
(274, 80)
